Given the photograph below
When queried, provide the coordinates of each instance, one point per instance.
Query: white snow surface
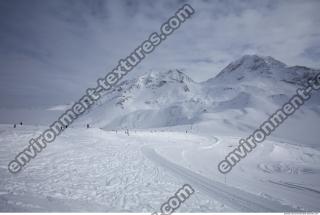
(105, 171)
(179, 130)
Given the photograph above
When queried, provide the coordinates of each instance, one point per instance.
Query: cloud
(51, 51)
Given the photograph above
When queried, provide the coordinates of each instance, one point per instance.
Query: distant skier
(21, 123)
(14, 126)
(88, 126)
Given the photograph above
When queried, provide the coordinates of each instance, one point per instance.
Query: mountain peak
(253, 61)
(252, 64)
(170, 75)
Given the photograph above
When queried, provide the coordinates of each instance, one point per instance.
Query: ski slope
(103, 171)
(240, 200)
(88, 170)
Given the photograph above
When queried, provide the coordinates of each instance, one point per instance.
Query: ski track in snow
(88, 170)
(241, 200)
(99, 171)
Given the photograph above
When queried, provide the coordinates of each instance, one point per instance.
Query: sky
(52, 51)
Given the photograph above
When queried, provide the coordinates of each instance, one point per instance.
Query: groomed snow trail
(88, 170)
(233, 197)
(103, 171)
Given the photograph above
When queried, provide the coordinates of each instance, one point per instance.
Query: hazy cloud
(51, 51)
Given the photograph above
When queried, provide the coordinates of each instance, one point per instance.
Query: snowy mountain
(99, 170)
(152, 100)
(169, 98)
(253, 67)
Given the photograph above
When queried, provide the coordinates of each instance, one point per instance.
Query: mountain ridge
(168, 98)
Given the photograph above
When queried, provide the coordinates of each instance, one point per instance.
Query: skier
(88, 126)
(14, 126)
(21, 123)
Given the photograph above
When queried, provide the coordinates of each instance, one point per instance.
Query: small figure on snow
(126, 132)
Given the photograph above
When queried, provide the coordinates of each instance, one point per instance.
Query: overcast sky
(51, 51)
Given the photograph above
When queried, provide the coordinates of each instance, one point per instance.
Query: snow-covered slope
(250, 86)
(253, 67)
(92, 170)
(153, 100)
(115, 171)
